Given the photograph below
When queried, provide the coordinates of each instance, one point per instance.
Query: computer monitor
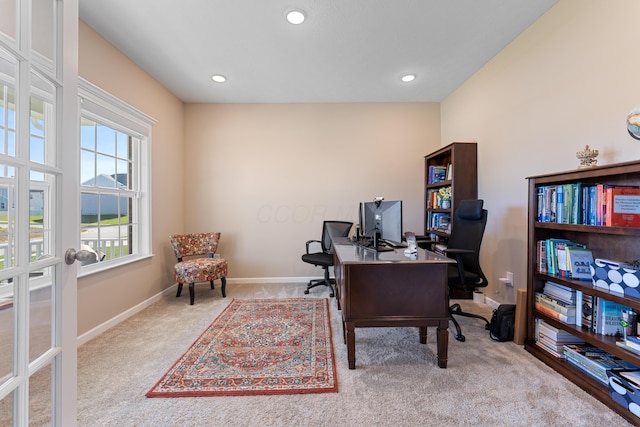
(383, 217)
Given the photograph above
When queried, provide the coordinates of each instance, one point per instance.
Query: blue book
(609, 314)
(560, 210)
(592, 205)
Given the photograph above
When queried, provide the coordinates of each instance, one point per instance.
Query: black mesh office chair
(464, 246)
(324, 259)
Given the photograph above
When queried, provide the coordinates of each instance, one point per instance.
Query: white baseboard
(491, 303)
(87, 336)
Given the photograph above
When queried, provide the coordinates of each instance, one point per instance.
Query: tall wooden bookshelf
(460, 162)
(461, 175)
(614, 243)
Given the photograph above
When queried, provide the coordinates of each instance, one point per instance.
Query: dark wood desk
(391, 289)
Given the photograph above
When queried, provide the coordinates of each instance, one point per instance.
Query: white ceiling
(345, 51)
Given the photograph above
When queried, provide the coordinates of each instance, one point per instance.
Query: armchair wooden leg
(224, 287)
(179, 290)
(212, 287)
(191, 293)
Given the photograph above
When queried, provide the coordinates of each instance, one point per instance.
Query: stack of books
(594, 361)
(552, 339)
(632, 343)
(564, 258)
(557, 301)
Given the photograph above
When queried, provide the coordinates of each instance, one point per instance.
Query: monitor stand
(378, 246)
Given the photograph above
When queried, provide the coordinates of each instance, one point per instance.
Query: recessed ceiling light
(408, 78)
(295, 17)
(218, 78)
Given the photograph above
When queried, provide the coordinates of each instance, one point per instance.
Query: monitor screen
(384, 217)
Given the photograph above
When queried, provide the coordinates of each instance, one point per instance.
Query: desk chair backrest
(469, 223)
(331, 229)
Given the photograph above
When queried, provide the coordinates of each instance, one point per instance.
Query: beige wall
(569, 80)
(266, 175)
(102, 296)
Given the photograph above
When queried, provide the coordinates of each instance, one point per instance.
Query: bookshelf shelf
(615, 243)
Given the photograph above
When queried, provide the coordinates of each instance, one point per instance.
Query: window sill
(99, 267)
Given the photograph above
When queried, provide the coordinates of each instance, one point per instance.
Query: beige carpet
(396, 383)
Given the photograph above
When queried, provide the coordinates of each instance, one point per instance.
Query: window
(114, 180)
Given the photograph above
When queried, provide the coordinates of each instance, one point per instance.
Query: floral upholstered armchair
(196, 262)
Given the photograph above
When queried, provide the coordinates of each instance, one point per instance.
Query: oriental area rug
(259, 346)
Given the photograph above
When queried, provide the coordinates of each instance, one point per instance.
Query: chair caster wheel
(306, 291)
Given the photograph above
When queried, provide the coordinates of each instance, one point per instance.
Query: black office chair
(464, 246)
(330, 229)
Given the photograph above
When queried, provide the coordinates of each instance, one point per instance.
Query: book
(623, 204)
(608, 314)
(624, 344)
(437, 174)
(579, 261)
(542, 256)
(560, 206)
(587, 311)
(594, 360)
(576, 211)
(555, 334)
(592, 205)
(555, 304)
(561, 292)
(579, 303)
(569, 319)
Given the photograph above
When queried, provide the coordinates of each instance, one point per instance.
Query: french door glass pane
(7, 328)
(41, 123)
(40, 316)
(40, 397)
(8, 68)
(41, 216)
(7, 218)
(6, 410)
(8, 18)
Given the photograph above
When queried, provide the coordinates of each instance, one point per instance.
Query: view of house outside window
(108, 190)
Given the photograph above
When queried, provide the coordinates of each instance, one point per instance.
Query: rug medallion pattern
(260, 346)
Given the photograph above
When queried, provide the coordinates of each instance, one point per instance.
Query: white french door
(38, 211)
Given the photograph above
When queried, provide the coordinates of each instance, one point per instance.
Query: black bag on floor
(502, 323)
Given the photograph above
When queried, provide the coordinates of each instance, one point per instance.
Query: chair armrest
(309, 242)
(454, 251)
(459, 263)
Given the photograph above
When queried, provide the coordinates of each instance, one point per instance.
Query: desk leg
(423, 334)
(344, 332)
(443, 343)
(351, 344)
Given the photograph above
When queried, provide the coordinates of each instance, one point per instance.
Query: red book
(623, 207)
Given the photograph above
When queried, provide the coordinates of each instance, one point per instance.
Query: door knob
(71, 255)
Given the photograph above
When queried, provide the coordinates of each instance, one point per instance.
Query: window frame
(104, 108)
